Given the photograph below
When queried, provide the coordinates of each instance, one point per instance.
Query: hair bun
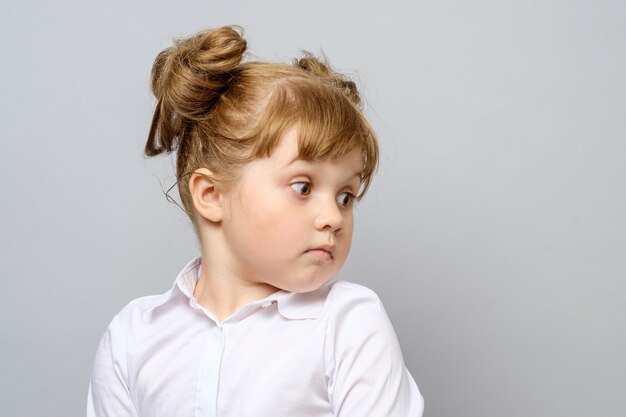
(320, 68)
(188, 78)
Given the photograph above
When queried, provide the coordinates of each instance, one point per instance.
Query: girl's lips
(322, 253)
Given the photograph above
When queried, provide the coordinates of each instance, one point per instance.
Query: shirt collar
(294, 306)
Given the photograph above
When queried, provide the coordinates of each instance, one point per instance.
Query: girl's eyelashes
(345, 199)
(302, 187)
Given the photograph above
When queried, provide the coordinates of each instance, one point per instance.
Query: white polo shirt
(330, 352)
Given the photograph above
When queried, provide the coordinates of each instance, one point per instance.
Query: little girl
(270, 161)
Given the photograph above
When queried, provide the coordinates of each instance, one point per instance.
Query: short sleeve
(365, 369)
(108, 394)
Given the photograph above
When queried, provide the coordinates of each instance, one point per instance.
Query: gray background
(494, 233)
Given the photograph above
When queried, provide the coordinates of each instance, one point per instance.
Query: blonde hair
(219, 113)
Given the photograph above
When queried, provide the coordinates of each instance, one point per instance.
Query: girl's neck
(223, 293)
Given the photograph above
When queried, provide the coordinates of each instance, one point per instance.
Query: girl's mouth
(324, 253)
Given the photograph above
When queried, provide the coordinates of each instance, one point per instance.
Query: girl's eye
(302, 187)
(345, 199)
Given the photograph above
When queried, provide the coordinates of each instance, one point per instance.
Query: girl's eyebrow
(296, 159)
(358, 174)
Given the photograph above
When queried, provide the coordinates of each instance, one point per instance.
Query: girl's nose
(329, 216)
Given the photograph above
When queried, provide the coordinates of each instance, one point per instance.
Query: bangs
(329, 125)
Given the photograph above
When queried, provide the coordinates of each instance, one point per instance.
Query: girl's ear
(206, 195)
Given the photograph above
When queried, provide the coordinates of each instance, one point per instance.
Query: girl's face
(288, 222)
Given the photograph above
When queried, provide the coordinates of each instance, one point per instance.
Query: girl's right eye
(302, 187)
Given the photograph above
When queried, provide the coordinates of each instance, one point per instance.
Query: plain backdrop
(495, 231)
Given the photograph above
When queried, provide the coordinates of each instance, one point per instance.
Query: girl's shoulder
(328, 301)
(350, 289)
(345, 292)
(347, 299)
(137, 308)
(175, 296)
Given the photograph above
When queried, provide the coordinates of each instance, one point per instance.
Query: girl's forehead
(285, 160)
(287, 155)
